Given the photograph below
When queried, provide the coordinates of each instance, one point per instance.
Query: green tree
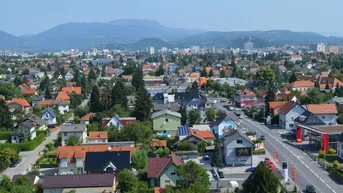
(137, 80)
(143, 105)
(194, 116)
(195, 85)
(316, 84)
(73, 141)
(119, 94)
(140, 160)
(261, 181)
(91, 75)
(75, 100)
(76, 119)
(5, 117)
(48, 94)
(293, 78)
(210, 114)
(264, 77)
(183, 112)
(95, 105)
(140, 132)
(327, 85)
(201, 147)
(203, 73)
(128, 181)
(218, 157)
(211, 73)
(160, 70)
(222, 73)
(193, 174)
(314, 96)
(6, 184)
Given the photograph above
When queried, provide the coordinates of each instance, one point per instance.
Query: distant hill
(141, 44)
(9, 41)
(258, 43)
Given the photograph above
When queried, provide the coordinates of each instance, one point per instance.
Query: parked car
(13, 164)
(221, 174)
(263, 137)
(310, 189)
(206, 157)
(231, 108)
(214, 101)
(214, 173)
(250, 169)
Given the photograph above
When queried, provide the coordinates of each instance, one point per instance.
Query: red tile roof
(287, 107)
(68, 90)
(87, 117)
(322, 108)
(47, 102)
(157, 165)
(273, 105)
(158, 143)
(22, 102)
(247, 92)
(203, 134)
(29, 91)
(98, 135)
(63, 95)
(298, 84)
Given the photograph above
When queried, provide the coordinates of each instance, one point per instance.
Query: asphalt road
(307, 171)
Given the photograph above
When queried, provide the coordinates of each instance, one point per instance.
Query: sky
(23, 17)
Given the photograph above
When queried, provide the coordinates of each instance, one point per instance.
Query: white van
(233, 184)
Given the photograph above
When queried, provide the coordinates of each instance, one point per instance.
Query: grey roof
(232, 134)
(51, 112)
(337, 99)
(310, 119)
(37, 98)
(172, 107)
(73, 128)
(35, 119)
(23, 129)
(159, 113)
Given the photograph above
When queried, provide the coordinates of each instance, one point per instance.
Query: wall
(168, 176)
(49, 119)
(63, 109)
(230, 152)
(286, 121)
(71, 167)
(172, 124)
(53, 190)
(66, 135)
(340, 149)
(328, 119)
(217, 130)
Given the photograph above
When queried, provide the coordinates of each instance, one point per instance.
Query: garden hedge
(29, 146)
(5, 135)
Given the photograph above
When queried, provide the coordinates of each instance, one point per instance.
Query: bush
(68, 115)
(45, 132)
(321, 154)
(48, 165)
(336, 172)
(5, 135)
(31, 145)
(260, 152)
(336, 164)
(332, 151)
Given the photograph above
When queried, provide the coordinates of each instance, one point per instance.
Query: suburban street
(307, 171)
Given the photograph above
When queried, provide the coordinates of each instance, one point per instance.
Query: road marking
(292, 154)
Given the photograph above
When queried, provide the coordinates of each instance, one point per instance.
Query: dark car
(213, 173)
(250, 169)
(206, 157)
(221, 174)
(310, 189)
(13, 164)
(263, 137)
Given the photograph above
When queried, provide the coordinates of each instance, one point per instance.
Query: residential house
(85, 119)
(338, 101)
(244, 97)
(301, 85)
(171, 107)
(18, 104)
(36, 121)
(107, 161)
(62, 95)
(295, 58)
(68, 76)
(309, 119)
(71, 84)
(162, 171)
(90, 183)
(340, 146)
(222, 125)
(62, 106)
(23, 133)
(36, 99)
(76, 90)
(77, 130)
(71, 159)
(287, 97)
(325, 112)
(167, 121)
(288, 113)
(155, 143)
(97, 137)
(117, 121)
(196, 136)
(238, 149)
(274, 107)
(322, 80)
(49, 116)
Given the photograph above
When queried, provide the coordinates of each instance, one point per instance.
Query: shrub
(336, 164)
(5, 135)
(31, 145)
(332, 151)
(321, 154)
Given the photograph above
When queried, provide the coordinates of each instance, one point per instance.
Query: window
(173, 173)
(239, 141)
(46, 115)
(167, 182)
(323, 117)
(166, 120)
(65, 134)
(342, 146)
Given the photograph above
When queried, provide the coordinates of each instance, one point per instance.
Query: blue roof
(183, 130)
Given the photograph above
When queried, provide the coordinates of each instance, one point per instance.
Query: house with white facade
(62, 106)
(325, 112)
(69, 76)
(23, 133)
(77, 130)
(113, 121)
(238, 149)
(244, 97)
(222, 125)
(288, 113)
(49, 116)
(301, 85)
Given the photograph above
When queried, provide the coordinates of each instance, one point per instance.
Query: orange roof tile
(22, 102)
(76, 90)
(158, 143)
(98, 135)
(29, 91)
(273, 105)
(204, 134)
(87, 117)
(62, 95)
(322, 108)
(297, 84)
(47, 102)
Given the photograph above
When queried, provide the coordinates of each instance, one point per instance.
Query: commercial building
(318, 47)
(151, 50)
(248, 45)
(333, 49)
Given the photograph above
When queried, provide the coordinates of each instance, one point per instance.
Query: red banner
(293, 174)
(276, 158)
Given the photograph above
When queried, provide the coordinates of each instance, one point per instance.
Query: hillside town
(180, 120)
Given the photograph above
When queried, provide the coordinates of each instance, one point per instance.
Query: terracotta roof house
(158, 143)
(161, 171)
(196, 136)
(71, 84)
(326, 112)
(301, 85)
(76, 90)
(80, 183)
(18, 104)
(63, 95)
(85, 119)
(275, 106)
(97, 137)
(29, 91)
(244, 97)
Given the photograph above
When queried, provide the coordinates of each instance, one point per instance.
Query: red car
(268, 161)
